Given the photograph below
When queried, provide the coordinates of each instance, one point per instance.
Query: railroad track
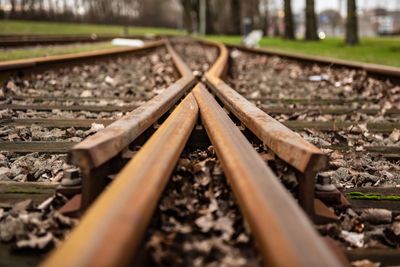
(14, 41)
(135, 156)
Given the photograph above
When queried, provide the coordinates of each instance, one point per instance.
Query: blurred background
(280, 22)
(380, 17)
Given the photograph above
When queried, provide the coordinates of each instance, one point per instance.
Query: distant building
(331, 23)
(380, 21)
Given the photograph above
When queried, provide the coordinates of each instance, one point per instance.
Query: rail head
(26, 64)
(111, 230)
(285, 143)
(284, 234)
(107, 143)
(183, 69)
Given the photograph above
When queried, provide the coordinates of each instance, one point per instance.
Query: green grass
(373, 196)
(23, 53)
(33, 27)
(384, 50)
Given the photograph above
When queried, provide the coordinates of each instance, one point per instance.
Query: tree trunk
(209, 18)
(32, 7)
(202, 16)
(255, 14)
(289, 25)
(12, 2)
(352, 23)
(195, 12)
(187, 15)
(311, 21)
(275, 27)
(236, 18)
(266, 18)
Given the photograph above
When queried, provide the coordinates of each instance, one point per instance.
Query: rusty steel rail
(13, 41)
(376, 69)
(42, 62)
(19, 41)
(111, 230)
(285, 143)
(284, 235)
(99, 148)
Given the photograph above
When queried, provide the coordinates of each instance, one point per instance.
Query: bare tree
(235, 16)
(124, 12)
(289, 25)
(256, 15)
(352, 23)
(187, 15)
(311, 21)
(13, 6)
(251, 11)
(266, 18)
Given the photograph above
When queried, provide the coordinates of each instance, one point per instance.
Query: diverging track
(112, 228)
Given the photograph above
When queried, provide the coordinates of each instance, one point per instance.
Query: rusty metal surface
(99, 148)
(36, 146)
(46, 107)
(24, 64)
(368, 67)
(284, 235)
(56, 123)
(113, 227)
(330, 110)
(50, 39)
(19, 41)
(285, 143)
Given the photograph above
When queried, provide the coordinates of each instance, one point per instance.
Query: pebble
(365, 263)
(11, 227)
(396, 228)
(23, 205)
(395, 136)
(354, 239)
(86, 93)
(36, 242)
(5, 174)
(376, 216)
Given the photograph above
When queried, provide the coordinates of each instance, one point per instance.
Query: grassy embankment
(384, 51)
(32, 27)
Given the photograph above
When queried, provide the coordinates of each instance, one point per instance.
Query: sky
(298, 5)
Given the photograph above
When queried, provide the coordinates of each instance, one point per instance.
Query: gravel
(256, 76)
(141, 76)
(58, 114)
(79, 101)
(35, 228)
(32, 167)
(274, 77)
(197, 56)
(271, 77)
(197, 222)
(39, 133)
